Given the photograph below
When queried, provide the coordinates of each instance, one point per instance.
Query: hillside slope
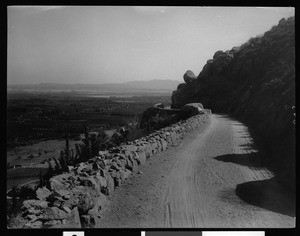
(256, 83)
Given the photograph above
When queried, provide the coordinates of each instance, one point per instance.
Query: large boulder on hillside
(217, 54)
(191, 109)
(189, 76)
(159, 105)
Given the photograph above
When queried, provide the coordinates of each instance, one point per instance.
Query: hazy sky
(118, 44)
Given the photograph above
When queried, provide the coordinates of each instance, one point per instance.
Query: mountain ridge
(155, 84)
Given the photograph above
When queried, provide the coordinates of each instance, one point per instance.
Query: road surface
(213, 179)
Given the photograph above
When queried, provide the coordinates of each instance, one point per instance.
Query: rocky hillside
(256, 83)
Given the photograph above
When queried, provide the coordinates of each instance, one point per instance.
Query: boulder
(131, 163)
(66, 209)
(77, 189)
(43, 193)
(51, 223)
(93, 213)
(64, 193)
(140, 157)
(124, 174)
(164, 144)
(148, 151)
(74, 219)
(117, 180)
(80, 167)
(159, 144)
(159, 105)
(234, 50)
(110, 183)
(88, 168)
(115, 166)
(191, 109)
(53, 213)
(93, 218)
(129, 148)
(36, 204)
(35, 224)
(189, 77)
(217, 54)
(71, 202)
(86, 221)
(62, 177)
(90, 182)
(102, 182)
(57, 203)
(174, 138)
(100, 203)
(103, 153)
(55, 184)
(85, 203)
(154, 147)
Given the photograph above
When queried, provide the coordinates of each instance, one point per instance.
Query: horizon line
(98, 83)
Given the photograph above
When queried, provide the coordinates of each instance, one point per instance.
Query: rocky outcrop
(256, 83)
(213, 67)
(76, 198)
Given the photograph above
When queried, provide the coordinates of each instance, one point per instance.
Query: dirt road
(212, 179)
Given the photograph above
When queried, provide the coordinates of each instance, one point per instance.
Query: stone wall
(75, 199)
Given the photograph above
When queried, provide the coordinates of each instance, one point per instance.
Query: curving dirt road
(195, 185)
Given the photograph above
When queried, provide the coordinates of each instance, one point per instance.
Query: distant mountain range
(151, 85)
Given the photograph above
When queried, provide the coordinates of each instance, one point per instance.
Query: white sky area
(234, 233)
(102, 44)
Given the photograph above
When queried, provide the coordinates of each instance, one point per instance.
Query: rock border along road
(193, 185)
